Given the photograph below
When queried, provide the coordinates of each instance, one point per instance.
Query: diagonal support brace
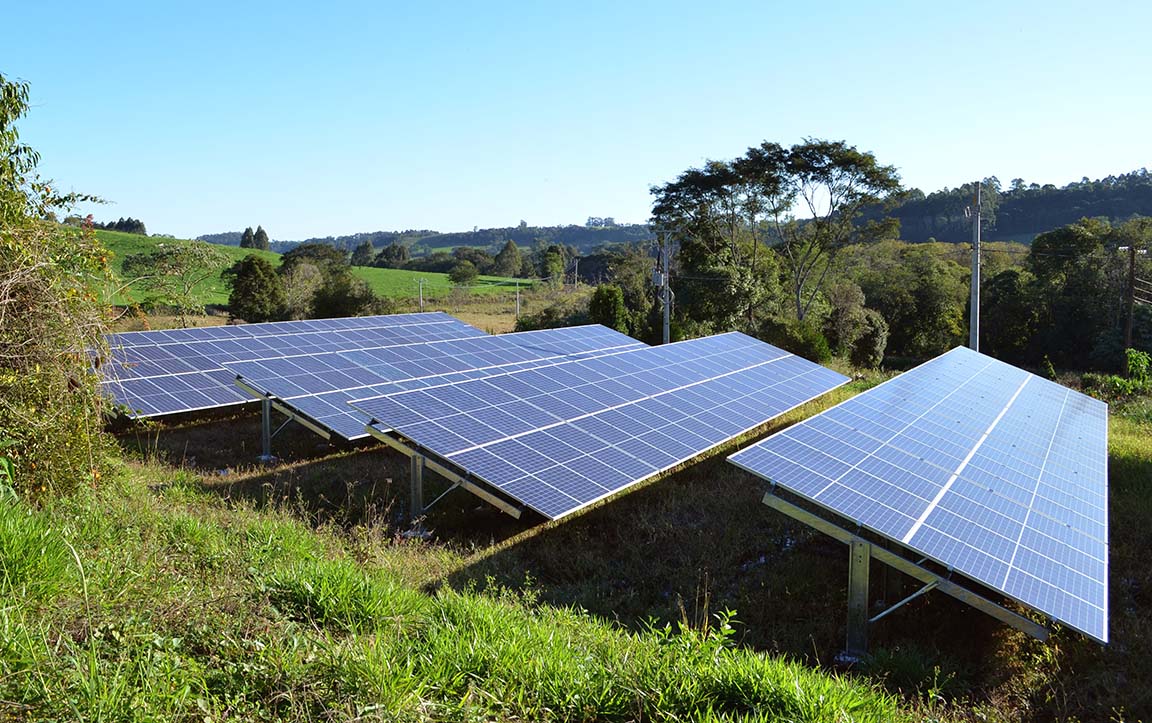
(932, 580)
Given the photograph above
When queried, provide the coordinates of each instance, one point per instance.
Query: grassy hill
(389, 283)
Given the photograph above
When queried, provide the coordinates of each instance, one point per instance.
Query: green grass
(401, 284)
(211, 291)
(387, 283)
(179, 605)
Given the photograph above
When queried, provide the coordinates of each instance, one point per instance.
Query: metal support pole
(974, 303)
(667, 253)
(421, 284)
(417, 504)
(517, 299)
(266, 429)
(859, 554)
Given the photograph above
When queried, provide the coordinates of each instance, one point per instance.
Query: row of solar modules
(319, 386)
(987, 469)
(267, 329)
(154, 373)
(560, 437)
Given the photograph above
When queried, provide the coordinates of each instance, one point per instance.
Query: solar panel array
(983, 467)
(153, 373)
(561, 437)
(321, 385)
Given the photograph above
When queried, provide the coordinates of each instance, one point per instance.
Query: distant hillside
(1022, 210)
(228, 238)
(585, 238)
(386, 283)
(597, 233)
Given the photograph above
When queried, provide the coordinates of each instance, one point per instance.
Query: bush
(1138, 365)
(607, 308)
(50, 406)
(799, 337)
(868, 349)
(463, 273)
(257, 290)
(565, 312)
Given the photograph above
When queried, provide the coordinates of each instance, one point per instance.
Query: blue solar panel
(271, 328)
(181, 370)
(321, 385)
(983, 467)
(561, 437)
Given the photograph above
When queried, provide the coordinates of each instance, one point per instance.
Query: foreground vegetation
(152, 599)
(191, 583)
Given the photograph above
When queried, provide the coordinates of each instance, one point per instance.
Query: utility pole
(1132, 251)
(974, 302)
(666, 253)
(660, 277)
(1131, 296)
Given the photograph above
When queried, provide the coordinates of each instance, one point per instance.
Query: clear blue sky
(317, 119)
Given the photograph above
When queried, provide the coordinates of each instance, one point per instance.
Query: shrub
(1138, 365)
(50, 323)
(607, 308)
(257, 290)
(868, 349)
(50, 406)
(463, 273)
(801, 338)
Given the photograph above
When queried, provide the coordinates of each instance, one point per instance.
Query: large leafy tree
(1079, 286)
(301, 283)
(718, 213)
(829, 183)
(325, 257)
(804, 199)
(464, 273)
(257, 290)
(335, 293)
(1008, 315)
(921, 296)
(174, 270)
(479, 258)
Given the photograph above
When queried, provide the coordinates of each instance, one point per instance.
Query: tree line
(1021, 210)
(785, 244)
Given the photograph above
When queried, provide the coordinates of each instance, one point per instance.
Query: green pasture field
(386, 283)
